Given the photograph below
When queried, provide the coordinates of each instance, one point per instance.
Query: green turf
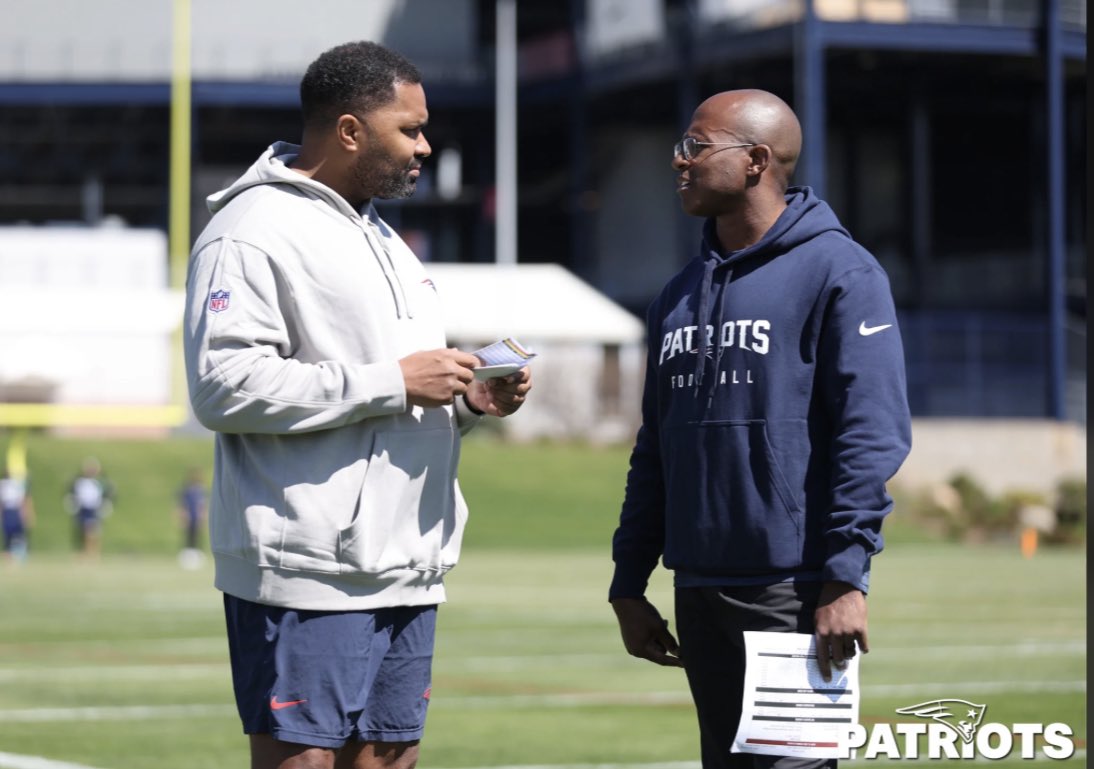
(529, 666)
(121, 664)
(146, 474)
(557, 496)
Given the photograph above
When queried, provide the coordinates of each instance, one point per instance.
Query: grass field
(122, 664)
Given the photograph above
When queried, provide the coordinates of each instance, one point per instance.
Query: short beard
(378, 177)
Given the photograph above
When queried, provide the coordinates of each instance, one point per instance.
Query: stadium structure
(949, 136)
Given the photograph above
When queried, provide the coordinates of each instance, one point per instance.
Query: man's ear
(350, 132)
(759, 159)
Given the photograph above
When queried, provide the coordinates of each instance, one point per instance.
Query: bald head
(759, 117)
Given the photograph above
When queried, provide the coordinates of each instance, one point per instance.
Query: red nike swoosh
(275, 705)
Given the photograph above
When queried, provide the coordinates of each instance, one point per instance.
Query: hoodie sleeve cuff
(466, 418)
(850, 565)
(382, 380)
(629, 581)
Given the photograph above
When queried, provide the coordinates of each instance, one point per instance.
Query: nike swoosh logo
(275, 705)
(868, 330)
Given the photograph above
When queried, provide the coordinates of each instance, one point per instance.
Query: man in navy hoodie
(774, 413)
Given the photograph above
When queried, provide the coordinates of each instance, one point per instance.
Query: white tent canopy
(531, 302)
(588, 375)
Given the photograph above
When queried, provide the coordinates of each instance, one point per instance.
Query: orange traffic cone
(1029, 541)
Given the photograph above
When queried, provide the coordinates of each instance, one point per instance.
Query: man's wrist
(471, 407)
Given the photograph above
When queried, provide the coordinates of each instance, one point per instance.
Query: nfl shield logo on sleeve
(218, 301)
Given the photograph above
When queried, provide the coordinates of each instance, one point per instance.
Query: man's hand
(645, 633)
(840, 623)
(436, 377)
(501, 396)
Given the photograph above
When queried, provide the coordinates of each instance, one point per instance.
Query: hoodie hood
(272, 167)
(805, 217)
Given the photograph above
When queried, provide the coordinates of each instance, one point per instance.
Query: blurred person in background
(192, 506)
(774, 413)
(315, 350)
(16, 514)
(89, 500)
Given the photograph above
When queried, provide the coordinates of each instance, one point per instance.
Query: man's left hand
(840, 625)
(502, 396)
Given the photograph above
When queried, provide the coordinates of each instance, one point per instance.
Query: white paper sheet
(788, 709)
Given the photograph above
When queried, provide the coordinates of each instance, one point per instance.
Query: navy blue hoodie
(774, 412)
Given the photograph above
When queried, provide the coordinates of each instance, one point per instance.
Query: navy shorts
(324, 678)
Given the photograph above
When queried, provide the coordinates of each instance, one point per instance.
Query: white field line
(566, 700)
(510, 663)
(514, 663)
(214, 644)
(175, 671)
(116, 713)
(974, 687)
(1079, 754)
(683, 697)
(957, 651)
(661, 765)
(16, 761)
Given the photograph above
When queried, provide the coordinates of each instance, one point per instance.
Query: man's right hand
(645, 633)
(437, 377)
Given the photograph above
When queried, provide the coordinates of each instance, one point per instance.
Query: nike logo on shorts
(275, 705)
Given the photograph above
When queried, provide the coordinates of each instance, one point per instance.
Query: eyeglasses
(688, 147)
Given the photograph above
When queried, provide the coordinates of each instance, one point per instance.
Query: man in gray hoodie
(315, 350)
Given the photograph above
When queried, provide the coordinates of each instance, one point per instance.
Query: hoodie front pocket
(728, 507)
(304, 535)
(408, 512)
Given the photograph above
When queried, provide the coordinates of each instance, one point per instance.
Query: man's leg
(711, 624)
(399, 696)
(318, 690)
(268, 753)
(92, 536)
(394, 719)
(378, 755)
(297, 675)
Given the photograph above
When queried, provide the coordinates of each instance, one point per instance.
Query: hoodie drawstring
(387, 266)
(706, 340)
(719, 317)
(398, 280)
(703, 343)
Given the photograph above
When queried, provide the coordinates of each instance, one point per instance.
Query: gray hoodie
(328, 492)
